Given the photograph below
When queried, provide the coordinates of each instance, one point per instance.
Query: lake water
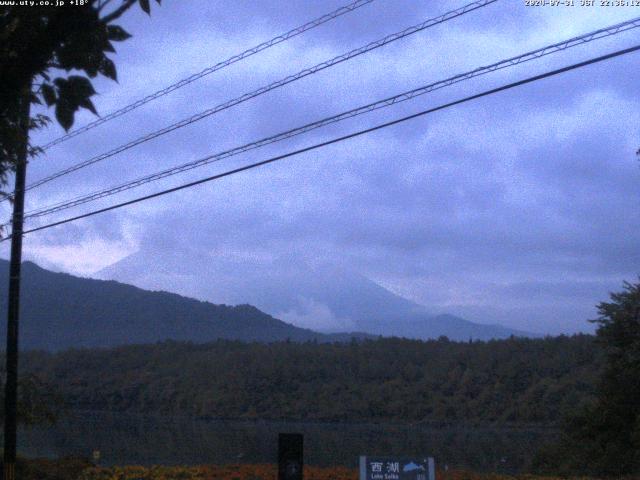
(148, 440)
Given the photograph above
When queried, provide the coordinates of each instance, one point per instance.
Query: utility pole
(11, 385)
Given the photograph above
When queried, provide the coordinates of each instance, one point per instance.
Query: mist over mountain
(308, 294)
(60, 311)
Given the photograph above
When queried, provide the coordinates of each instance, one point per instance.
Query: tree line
(505, 381)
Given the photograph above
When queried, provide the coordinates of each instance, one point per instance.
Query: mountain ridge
(61, 311)
(305, 292)
(109, 313)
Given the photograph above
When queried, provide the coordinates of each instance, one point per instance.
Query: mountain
(61, 311)
(309, 294)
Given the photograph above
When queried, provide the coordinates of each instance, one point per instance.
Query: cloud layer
(521, 208)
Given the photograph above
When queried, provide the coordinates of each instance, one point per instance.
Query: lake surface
(148, 440)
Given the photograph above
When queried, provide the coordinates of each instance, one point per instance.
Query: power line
(532, 55)
(218, 66)
(280, 83)
(342, 138)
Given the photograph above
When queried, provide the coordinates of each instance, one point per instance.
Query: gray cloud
(520, 208)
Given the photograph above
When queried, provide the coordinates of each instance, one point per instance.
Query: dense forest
(501, 381)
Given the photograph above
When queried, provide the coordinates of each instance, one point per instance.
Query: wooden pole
(11, 384)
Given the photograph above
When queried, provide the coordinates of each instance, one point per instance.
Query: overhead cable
(260, 91)
(509, 62)
(218, 66)
(340, 139)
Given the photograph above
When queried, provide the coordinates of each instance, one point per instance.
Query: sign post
(290, 456)
(395, 468)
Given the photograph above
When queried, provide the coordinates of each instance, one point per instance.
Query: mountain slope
(307, 294)
(62, 311)
(317, 296)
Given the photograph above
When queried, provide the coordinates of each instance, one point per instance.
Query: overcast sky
(520, 208)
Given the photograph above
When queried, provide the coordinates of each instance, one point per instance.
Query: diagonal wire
(358, 133)
(532, 55)
(218, 66)
(280, 83)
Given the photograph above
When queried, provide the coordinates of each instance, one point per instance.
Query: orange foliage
(212, 472)
(264, 472)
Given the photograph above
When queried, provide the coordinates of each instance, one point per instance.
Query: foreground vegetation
(80, 469)
(604, 436)
(269, 472)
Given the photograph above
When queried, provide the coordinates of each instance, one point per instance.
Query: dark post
(11, 385)
(290, 462)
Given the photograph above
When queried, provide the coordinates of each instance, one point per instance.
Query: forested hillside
(503, 381)
(61, 311)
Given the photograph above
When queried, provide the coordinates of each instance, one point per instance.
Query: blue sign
(395, 468)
